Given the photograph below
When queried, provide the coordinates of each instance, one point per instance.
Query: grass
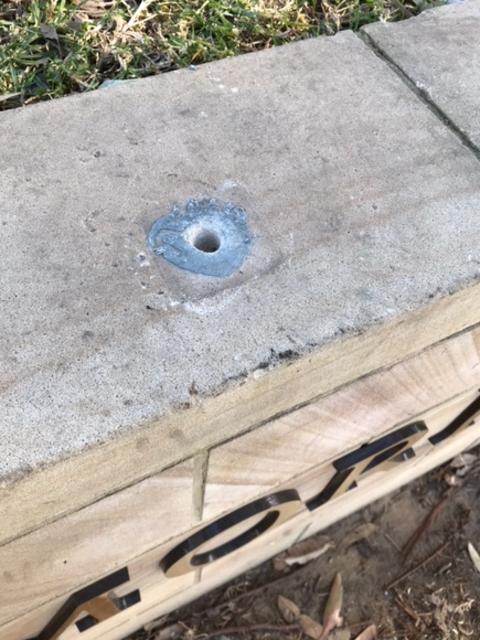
(51, 48)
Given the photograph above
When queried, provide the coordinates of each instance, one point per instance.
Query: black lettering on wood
(189, 555)
(366, 457)
(461, 422)
(79, 601)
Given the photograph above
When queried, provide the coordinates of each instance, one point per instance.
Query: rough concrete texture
(363, 206)
(440, 52)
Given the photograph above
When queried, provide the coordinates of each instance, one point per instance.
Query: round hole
(206, 240)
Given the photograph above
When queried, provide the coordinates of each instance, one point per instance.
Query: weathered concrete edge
(73, 483)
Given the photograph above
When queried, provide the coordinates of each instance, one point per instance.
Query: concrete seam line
(421, 94)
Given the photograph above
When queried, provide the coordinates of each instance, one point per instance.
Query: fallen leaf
(331, 615)
(308, 545)
(311, 627)
(307, 557)
(475, 557)
(302, 552)
(340, 634)
(92, 8)
(370, 633)
(289, 610)
(360, 533)
(279, 563)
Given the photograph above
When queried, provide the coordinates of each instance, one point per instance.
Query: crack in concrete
(421, 94)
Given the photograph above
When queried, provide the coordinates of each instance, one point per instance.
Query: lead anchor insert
(205, 236)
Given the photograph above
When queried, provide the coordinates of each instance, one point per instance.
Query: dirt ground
(404, 565)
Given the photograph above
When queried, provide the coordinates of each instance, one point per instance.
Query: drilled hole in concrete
(206, 240)
(207, 237)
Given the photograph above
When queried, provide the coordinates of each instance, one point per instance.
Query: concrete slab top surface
(361, 205)
(440, 52)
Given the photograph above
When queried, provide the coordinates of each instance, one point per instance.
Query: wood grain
(74, 551)
(158, 600)
(256, 462)
(295, 450)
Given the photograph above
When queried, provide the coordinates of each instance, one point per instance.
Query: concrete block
(363, 211)
(440, 52)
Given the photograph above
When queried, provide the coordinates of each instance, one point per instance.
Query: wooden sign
(105, 570)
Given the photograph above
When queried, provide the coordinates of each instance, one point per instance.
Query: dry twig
(425, 526)
(226, 631)
(408, 573)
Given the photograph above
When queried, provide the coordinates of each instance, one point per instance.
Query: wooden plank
(158, 600)
(143, 573)
(211, 421)
(436, 419)
(72, 552)
(256, 462)
(305, 524)
(120, 529)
